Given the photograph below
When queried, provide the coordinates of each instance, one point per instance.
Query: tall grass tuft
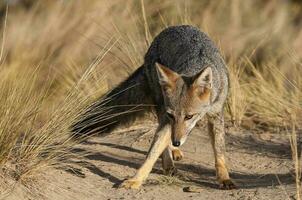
(58, 56)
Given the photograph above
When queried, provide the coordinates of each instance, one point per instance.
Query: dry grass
(54, 62)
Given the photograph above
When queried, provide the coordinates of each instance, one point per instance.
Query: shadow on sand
(201, 175)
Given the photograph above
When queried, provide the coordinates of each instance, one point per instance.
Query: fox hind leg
(217, 136)
(168, 163)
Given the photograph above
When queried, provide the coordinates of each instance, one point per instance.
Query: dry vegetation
(57, 56)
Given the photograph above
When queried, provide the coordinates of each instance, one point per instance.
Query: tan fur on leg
(167, 162)
(177, 155)
(217, 134)
(160, 143)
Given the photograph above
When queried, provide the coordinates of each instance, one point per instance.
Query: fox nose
(176, 143)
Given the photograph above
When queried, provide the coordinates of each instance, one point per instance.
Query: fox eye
(187, 117)
(170, 116)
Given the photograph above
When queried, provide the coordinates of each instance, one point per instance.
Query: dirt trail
(260, 165)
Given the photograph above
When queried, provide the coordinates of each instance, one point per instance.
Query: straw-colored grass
(57, 56)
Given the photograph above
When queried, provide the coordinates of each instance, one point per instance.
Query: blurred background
(57, 56)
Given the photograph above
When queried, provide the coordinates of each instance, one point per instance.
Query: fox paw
(131, 184)
(171, 171)
(227, 185)
(177, 154)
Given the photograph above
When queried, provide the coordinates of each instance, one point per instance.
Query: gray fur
(192, 56)
(126, 101)
(185, 50)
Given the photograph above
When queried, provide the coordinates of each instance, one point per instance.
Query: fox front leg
(177, 154)
(160, 143)
(170, 155)
(217, 135)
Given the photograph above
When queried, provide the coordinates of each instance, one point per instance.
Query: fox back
(183, 74)
(187, 77)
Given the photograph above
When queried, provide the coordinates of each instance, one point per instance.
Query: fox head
(186, 99)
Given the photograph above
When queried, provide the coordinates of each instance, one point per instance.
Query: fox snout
(178, 138)
(178, 132)
(176, 143)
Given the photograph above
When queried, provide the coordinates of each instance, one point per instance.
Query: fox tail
(122, 104)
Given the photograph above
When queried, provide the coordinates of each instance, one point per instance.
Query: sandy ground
(260, 164)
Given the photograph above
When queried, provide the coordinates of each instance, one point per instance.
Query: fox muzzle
(176, 143)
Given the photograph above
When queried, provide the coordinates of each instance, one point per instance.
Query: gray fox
(185, 78)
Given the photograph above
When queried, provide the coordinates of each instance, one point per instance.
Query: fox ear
(167, 77)
(204, 79)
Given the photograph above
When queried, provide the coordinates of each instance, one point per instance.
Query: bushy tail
(120, 105)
